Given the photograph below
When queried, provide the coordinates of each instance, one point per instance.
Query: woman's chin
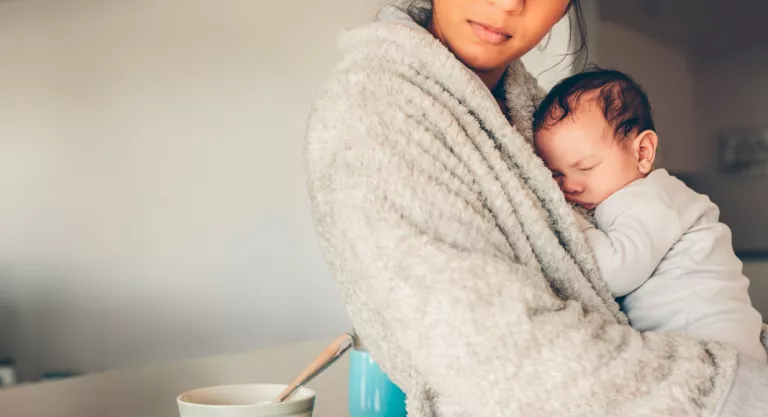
(482, 59)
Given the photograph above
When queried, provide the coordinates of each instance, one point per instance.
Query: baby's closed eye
(588, 167)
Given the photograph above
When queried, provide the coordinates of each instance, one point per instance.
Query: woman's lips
(489, 34)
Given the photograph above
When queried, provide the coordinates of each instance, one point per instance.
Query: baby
(659, 245)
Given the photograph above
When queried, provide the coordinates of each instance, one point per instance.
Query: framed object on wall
(743, 151)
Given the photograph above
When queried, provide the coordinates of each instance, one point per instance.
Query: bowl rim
(307, 401)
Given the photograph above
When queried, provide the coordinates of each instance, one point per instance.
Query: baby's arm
(636, 227)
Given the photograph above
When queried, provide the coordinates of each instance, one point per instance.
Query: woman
(459, 259)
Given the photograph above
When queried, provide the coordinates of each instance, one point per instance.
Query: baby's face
(585, 157)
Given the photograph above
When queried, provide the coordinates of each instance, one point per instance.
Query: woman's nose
(510, 6)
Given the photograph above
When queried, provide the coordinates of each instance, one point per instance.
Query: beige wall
(731, 92)
(667, 78)
(151, 174)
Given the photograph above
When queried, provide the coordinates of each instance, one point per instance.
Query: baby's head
(595, 132)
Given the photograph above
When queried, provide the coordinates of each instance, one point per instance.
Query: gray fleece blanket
(459, 260)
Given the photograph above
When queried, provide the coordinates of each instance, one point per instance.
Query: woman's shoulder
(363, 88)
(379, 80)
(383, 55)
(357, 107)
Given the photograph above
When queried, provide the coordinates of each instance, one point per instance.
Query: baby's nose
(571, 187)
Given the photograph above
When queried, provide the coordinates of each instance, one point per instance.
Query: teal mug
(371, 392)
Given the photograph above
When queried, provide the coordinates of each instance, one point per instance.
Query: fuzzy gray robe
(459, 260)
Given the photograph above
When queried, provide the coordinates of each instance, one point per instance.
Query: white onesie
(670, 262)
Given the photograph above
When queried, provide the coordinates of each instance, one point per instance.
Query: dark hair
(624, 103)
(421, 11)
(579, 31)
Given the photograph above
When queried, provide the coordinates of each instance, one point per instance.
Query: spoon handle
(325, 359)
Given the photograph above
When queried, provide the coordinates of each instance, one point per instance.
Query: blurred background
(152, 198)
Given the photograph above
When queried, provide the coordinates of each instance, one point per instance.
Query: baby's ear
(645, 149)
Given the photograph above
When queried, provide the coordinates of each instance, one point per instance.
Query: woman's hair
(421, 11)
(579, 32)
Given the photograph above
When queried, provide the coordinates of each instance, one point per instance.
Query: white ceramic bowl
(250, 400)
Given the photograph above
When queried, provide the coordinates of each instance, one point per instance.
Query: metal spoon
(325, 359)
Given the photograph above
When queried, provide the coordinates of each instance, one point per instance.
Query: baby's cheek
(606, 187)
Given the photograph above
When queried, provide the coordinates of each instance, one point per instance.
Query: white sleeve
(636, 227)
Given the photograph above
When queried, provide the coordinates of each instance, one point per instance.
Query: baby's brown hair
(624, 103)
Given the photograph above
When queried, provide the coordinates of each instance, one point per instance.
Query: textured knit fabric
(461, 264)
(661, 246)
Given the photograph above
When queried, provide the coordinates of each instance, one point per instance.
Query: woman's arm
(492, 338)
